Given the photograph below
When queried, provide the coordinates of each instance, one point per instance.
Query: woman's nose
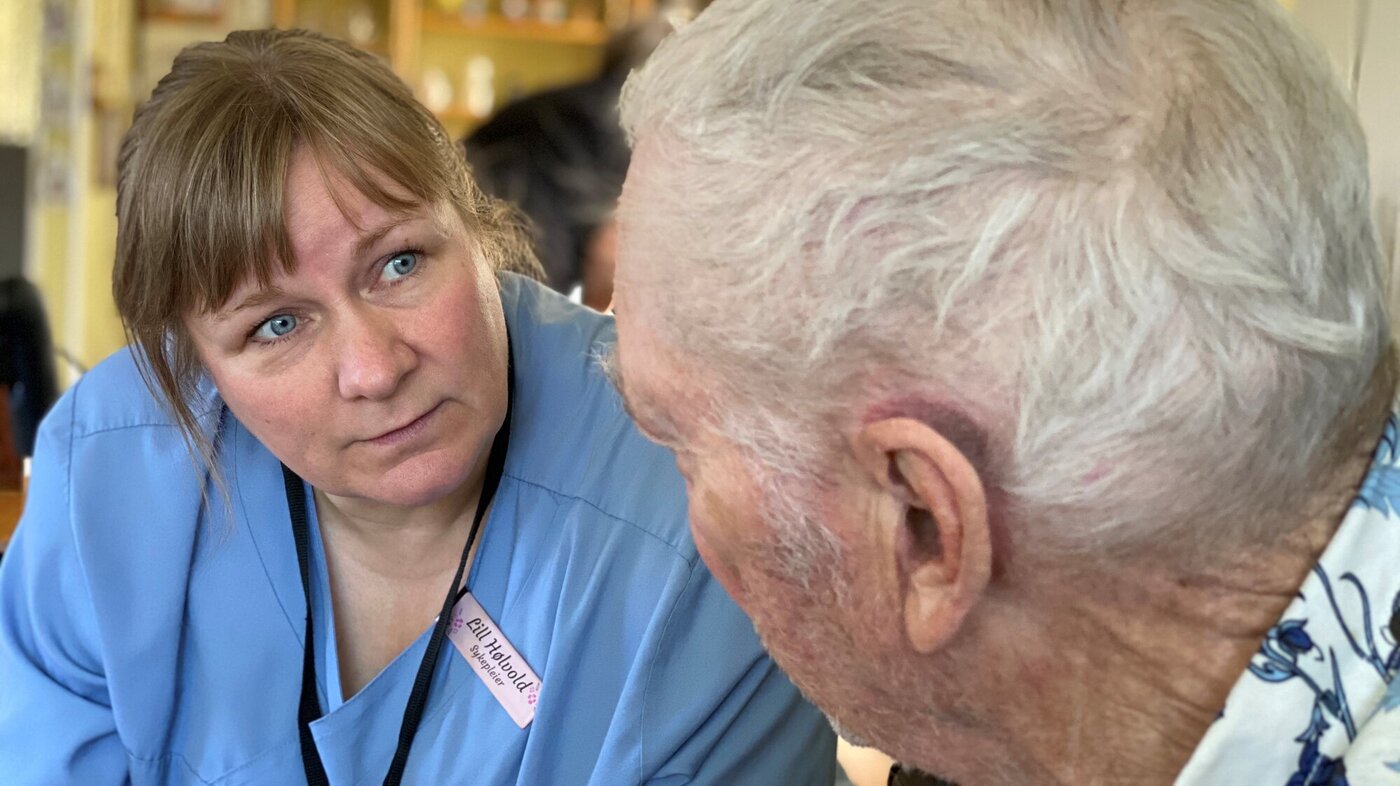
(374, 357)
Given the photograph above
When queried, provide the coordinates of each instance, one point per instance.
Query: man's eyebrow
(613, 370)
(654, 423)
(607, 362)
(651, 424)
(640, 415)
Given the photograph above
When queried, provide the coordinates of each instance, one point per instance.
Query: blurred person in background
(26, 361)
(560, 157)
(255, 567)
(1028, 368)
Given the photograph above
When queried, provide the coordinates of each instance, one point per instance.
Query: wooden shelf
(579, 32)
(11, 505)
(180, 17)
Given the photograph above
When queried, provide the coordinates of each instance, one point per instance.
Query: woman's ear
(939, 530)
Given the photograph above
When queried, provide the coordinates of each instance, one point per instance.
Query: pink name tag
(495, 661)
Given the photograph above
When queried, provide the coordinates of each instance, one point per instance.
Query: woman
(309, 279)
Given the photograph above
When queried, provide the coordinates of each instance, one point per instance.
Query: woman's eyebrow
(254, 300)
(369, 240)
(364, 245)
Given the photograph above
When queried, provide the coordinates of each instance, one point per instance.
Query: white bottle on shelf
(480, 86)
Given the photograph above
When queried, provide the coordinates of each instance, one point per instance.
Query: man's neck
(1147, 663)
(1150, 653)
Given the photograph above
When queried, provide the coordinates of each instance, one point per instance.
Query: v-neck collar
(256, 475)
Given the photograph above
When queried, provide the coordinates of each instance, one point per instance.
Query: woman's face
(377, 370)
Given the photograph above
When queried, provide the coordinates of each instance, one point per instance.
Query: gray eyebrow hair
(606, 359)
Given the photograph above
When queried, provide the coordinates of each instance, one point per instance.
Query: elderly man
(1028, 365)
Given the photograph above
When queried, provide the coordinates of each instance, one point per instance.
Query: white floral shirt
(1320, 702)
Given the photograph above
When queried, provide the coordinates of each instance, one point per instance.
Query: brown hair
(202, 170)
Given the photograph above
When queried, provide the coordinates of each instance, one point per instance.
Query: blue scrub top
(147, 637)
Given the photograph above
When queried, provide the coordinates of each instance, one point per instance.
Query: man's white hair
(1124, 244)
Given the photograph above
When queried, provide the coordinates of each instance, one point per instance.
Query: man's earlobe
(941, 538)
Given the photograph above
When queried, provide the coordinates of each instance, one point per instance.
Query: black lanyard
(310, 708)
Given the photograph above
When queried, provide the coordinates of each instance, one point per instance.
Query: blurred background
(72, 72)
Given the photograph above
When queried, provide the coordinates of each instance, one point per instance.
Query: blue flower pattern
(1381, 489)
(1337, 637)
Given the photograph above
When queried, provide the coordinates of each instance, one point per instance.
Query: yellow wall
(57, 140)
(51, 275)
(101, 330)
(75, 239)
(19, 64)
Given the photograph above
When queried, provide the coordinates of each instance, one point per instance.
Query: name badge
(509, 678)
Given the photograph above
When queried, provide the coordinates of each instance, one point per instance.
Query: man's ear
(941, 536)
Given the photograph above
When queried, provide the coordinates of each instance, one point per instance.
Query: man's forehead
(647, 152)
(646, 187)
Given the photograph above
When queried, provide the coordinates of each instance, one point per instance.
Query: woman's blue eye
(276, 328)
(400, 265)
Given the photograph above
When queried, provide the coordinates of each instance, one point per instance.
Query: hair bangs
(231, 222)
